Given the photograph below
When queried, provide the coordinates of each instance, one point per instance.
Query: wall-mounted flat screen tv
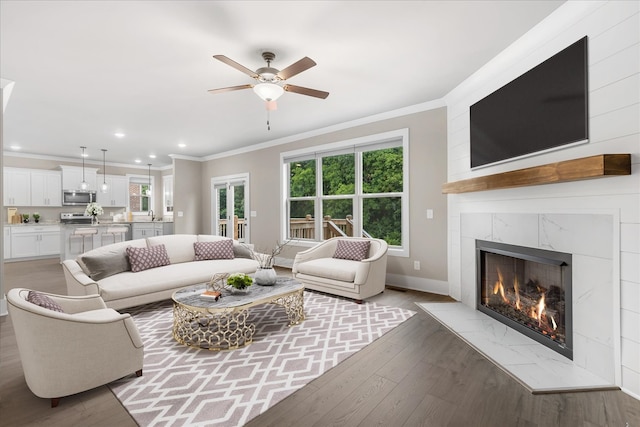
(543, 109)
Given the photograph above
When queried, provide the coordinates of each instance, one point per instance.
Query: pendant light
(105, 186)
(83, 184)
(149, 188)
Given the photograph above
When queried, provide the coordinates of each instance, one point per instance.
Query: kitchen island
(72, 245)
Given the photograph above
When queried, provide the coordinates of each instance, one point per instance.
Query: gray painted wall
(427, 173)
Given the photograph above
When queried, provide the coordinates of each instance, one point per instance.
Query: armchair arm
(78, 283)
(324, 249)
(78, 304)
(379, 253)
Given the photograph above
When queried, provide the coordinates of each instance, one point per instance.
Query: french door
(230, 200)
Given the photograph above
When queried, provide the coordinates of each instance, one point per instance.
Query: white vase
(265, 276)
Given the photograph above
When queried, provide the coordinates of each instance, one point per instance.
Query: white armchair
(317, 269)
(83, 347)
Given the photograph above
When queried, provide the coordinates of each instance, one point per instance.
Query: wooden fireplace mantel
(569, 170)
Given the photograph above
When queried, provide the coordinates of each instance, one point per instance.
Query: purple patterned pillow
(43, 301)
(219, 249)
(355, 250)
(146, 258)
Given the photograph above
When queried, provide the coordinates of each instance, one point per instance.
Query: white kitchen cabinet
(118, 191)
(46, 188)
(34, 241)
(7, 242)
(17, 187)
(72, 177)
(141, 230)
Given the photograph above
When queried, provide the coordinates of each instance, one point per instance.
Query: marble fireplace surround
(592, 240)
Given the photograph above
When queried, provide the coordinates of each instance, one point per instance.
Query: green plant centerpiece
(36, 217)
(239, 281)
(25, 218)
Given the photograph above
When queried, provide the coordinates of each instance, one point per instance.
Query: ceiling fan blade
(229, 89)
(296, 68)
(306, 91)
(237, 66)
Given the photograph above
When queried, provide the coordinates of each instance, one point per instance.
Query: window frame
(395, 138)
(140, 179)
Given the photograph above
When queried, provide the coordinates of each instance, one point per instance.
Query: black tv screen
(545, 108)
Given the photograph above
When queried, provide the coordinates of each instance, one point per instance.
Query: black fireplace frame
(540, 256)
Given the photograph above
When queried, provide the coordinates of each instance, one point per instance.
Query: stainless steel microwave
(78, 197)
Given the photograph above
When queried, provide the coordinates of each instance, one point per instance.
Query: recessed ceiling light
(138, 160)
(182, 145)
(14, 147)
(119, 135)
(152, 156)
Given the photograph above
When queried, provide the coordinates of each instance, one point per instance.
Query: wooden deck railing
(239, 227)
(299, 228)
(304, 228)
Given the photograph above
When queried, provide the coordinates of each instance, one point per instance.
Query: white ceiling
(85, 70)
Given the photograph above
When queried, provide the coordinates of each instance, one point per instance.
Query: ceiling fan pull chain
(268, 125)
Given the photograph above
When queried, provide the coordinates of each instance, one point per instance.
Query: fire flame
(541, 308)
(538, 311)
(499, 287)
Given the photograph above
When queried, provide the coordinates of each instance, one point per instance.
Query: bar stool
(82, 233)
(114, 232)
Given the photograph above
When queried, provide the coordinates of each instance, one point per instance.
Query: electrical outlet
(416, 265)
(429, 213)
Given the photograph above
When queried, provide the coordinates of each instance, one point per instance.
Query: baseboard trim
(433, 286)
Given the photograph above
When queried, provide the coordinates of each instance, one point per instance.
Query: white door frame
(228, 180)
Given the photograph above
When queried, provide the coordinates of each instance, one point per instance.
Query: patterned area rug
(186, 386)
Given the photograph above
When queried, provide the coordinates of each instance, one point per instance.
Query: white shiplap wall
(613, 28)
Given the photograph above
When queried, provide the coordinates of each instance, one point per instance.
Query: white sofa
(127, 289)
(318, 269)
(82, 347)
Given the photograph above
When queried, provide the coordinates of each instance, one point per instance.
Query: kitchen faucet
(151, 213)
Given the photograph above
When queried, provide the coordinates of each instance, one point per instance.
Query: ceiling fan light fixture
(271, 105)
(268, 91)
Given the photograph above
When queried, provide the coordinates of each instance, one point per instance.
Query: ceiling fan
(268, 79)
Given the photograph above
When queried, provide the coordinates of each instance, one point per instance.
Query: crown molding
(405, 111)
(74, 160)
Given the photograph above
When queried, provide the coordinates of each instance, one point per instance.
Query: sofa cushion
(100, 266)
(179, 246)
(355, 250)
(330, 268)
(44, 301)
(146, 258)
(242, 250)
(174, 276)
(109, 250)
(222, 249)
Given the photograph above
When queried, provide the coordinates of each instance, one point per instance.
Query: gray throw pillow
(105, 265)
(240, 250)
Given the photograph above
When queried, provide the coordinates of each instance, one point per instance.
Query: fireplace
(527, 289)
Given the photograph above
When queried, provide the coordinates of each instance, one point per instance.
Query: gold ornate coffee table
(224, 324)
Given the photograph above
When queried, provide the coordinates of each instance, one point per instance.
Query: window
(353, 188)
(140, 194)
(167, 199)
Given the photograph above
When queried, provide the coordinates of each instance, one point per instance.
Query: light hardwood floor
(419, 374)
